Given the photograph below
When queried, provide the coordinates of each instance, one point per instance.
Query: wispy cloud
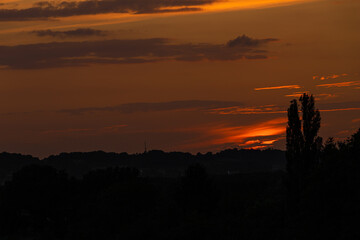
(278, 87)
(273, 109)
(128, 108)
(318, 96)
(340, 84)
(85, 131)
(340, 109)
(296, 94)
(207, 106)
(68, 130)
(234, 110)
(325, 96)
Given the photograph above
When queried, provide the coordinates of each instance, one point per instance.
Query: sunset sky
(182, 75)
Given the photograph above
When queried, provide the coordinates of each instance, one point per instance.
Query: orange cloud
(250, 142)
(257, 147)
(331, 76)
(259, 143)
(296, 94)
(325, 96)
(319, 96)
(340, 84)
(269, 142)
(278, 87)
(339, 109)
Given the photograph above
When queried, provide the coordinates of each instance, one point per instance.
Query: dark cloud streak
(80, 32)
(69, 54)
(208, 106)
(128, 108)
(245, 41)
(47, 10)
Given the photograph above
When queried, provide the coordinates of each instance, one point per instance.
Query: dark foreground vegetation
(317, 196)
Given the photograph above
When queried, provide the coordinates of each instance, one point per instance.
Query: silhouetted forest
(154, 163)
(312, 193)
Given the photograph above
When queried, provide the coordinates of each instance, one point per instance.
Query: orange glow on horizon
(244, 136)
(240, 135)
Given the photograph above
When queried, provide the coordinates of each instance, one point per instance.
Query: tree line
(316, 197)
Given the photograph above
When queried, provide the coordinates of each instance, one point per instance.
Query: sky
(184, 75)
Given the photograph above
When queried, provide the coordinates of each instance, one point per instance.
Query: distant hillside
(152, 163)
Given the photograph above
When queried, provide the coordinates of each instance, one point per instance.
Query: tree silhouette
(311, 125)
(302, 143)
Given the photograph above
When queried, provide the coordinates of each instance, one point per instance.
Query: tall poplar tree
(302, 143)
